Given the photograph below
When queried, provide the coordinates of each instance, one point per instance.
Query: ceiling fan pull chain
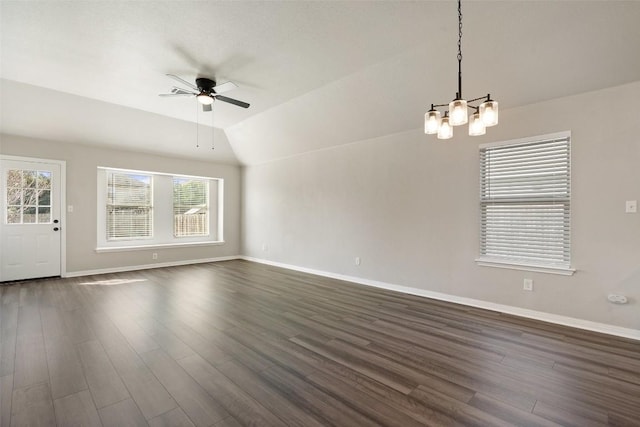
(213, 132)
(197, 126)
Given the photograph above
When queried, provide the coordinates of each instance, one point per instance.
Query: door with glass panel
(30, 224)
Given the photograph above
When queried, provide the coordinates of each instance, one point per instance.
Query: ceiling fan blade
(232, 101)
(206, 107)
(180, 90)
(225, 87)
(184, 82)
(175, 94)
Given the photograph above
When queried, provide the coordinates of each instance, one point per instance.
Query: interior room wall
(407, 206)
(81, 167)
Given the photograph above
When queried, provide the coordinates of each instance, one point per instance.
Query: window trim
(216, 217)
(512, 265)
(158, 246)
(515, 264)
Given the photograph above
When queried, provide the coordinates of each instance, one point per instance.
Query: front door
(29, 219)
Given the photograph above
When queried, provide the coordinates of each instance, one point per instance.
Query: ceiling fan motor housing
(205, 85)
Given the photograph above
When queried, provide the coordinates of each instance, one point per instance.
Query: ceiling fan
(206, 91)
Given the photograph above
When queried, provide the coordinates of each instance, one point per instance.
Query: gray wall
(407, 204)
(81, 226)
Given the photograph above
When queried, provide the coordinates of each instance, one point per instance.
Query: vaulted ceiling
(317, 74)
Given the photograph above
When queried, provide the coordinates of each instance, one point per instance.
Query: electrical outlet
(617, 299)
(357, 260)
(265, 248)
(154, 256)
(631, 206)
(528, 285)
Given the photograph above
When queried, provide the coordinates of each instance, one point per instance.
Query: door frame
(63, 202)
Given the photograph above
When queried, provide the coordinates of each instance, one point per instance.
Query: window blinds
(190, 207)
(129, 206)
(525, 202)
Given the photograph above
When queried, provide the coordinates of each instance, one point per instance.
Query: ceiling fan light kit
(485, 114)
(204, 98)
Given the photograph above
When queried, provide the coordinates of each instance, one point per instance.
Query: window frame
(163, 214)
(519, 263)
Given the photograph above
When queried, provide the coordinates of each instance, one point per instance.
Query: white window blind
(525, 195)
(129, 206)
(190, 207)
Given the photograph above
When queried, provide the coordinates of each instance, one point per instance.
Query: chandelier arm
(478, 99)
(486, 97)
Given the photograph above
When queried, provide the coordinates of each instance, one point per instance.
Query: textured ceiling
(317, 74)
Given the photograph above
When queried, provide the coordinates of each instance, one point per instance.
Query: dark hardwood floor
(237, 343)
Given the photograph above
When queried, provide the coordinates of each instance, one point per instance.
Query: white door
(29, 219)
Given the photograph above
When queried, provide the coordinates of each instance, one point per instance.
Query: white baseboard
(148, 266)
(507, 309)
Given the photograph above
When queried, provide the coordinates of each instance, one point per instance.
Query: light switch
(631, 206)
(70, 208)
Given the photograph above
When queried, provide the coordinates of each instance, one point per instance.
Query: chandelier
(483, 115)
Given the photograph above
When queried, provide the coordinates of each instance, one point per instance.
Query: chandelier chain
(459, 31)
(459, 94)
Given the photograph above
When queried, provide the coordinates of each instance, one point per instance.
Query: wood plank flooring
(238, 343)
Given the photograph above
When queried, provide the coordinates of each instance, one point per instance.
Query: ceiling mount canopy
(485, 114)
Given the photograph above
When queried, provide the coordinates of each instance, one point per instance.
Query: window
(141, 209)
(525, 203)
(28, 197)
(129, 208)
(190, 207)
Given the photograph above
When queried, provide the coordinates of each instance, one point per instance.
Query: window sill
(104, 249)
(492, 262)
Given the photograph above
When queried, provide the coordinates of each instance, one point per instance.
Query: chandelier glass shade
(476, 125)
(483, 115)
(445, 131)
(458, 112)
(489, 112)
(432, 121)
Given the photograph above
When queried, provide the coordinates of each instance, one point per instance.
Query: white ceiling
(317, 74)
